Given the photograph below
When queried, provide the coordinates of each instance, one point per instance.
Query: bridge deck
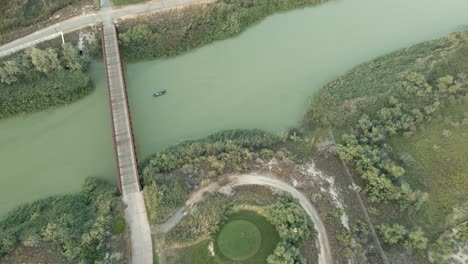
(126, 160)
(123, 136)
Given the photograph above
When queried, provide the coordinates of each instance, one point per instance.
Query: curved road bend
(324, 256)
(81, 21)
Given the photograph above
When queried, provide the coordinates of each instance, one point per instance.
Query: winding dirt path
(324, 256)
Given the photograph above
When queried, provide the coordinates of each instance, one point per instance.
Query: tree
(137, 39)
(72, 58)
(447, 85)
(32, 240)
(44, 60)
(153, 198)
(392, 234)
(10, 71)
(417, 240)
(291, 222)
(395, 171)
(8, 242)
(285, 254)
(93, 243)
(380, 188)
(89, 186)
(416, 84)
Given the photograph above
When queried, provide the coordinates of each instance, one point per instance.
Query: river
(51, 152)
(263, 78)
(260, 79)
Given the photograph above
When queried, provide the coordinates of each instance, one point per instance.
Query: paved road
(81, 21)
(325, 255)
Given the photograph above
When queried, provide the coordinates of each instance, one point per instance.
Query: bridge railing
(116, 158)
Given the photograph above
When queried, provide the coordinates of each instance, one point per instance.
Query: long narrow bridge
(124, 150)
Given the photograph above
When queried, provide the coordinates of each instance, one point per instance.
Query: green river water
(260, 79)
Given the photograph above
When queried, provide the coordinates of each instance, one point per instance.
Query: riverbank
(49, 75)
(84, 227)
(367, 87)
(169, 33)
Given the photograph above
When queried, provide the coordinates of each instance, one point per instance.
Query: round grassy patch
(239, 240)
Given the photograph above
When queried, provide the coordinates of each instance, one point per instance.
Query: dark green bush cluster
(398, 234)
(294, 228)
(228, 150)
(38, 79)
(417, 102)
(177, 31)
(77, 225)
(365, 146)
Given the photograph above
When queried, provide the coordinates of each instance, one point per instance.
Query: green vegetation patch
(206, 220)
(75, 226)
(247, 237)
(239, 240)
(229, 151)
(173, 32)
(119, 225)
(367, 87)
(437, 159)
(37, 79)
(262, 243)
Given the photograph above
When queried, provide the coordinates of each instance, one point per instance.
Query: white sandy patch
(211, 249)
(331, 189)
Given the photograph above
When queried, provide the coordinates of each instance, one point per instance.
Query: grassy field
(440, 166)
(367, 87)
(21, 17)
(127, 2)
(234, 242)
(239, 240)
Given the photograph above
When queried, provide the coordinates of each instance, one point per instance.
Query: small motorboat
(163, 92)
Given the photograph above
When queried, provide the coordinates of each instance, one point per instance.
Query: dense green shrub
(177, 31)
(417, 240)
(293, 226)
(286, 253)
(225, 151)
(392, 234)
(38, 79)
(119, 225)
(163, 195)
(203, 219)
(291, 221)
(77, 226)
